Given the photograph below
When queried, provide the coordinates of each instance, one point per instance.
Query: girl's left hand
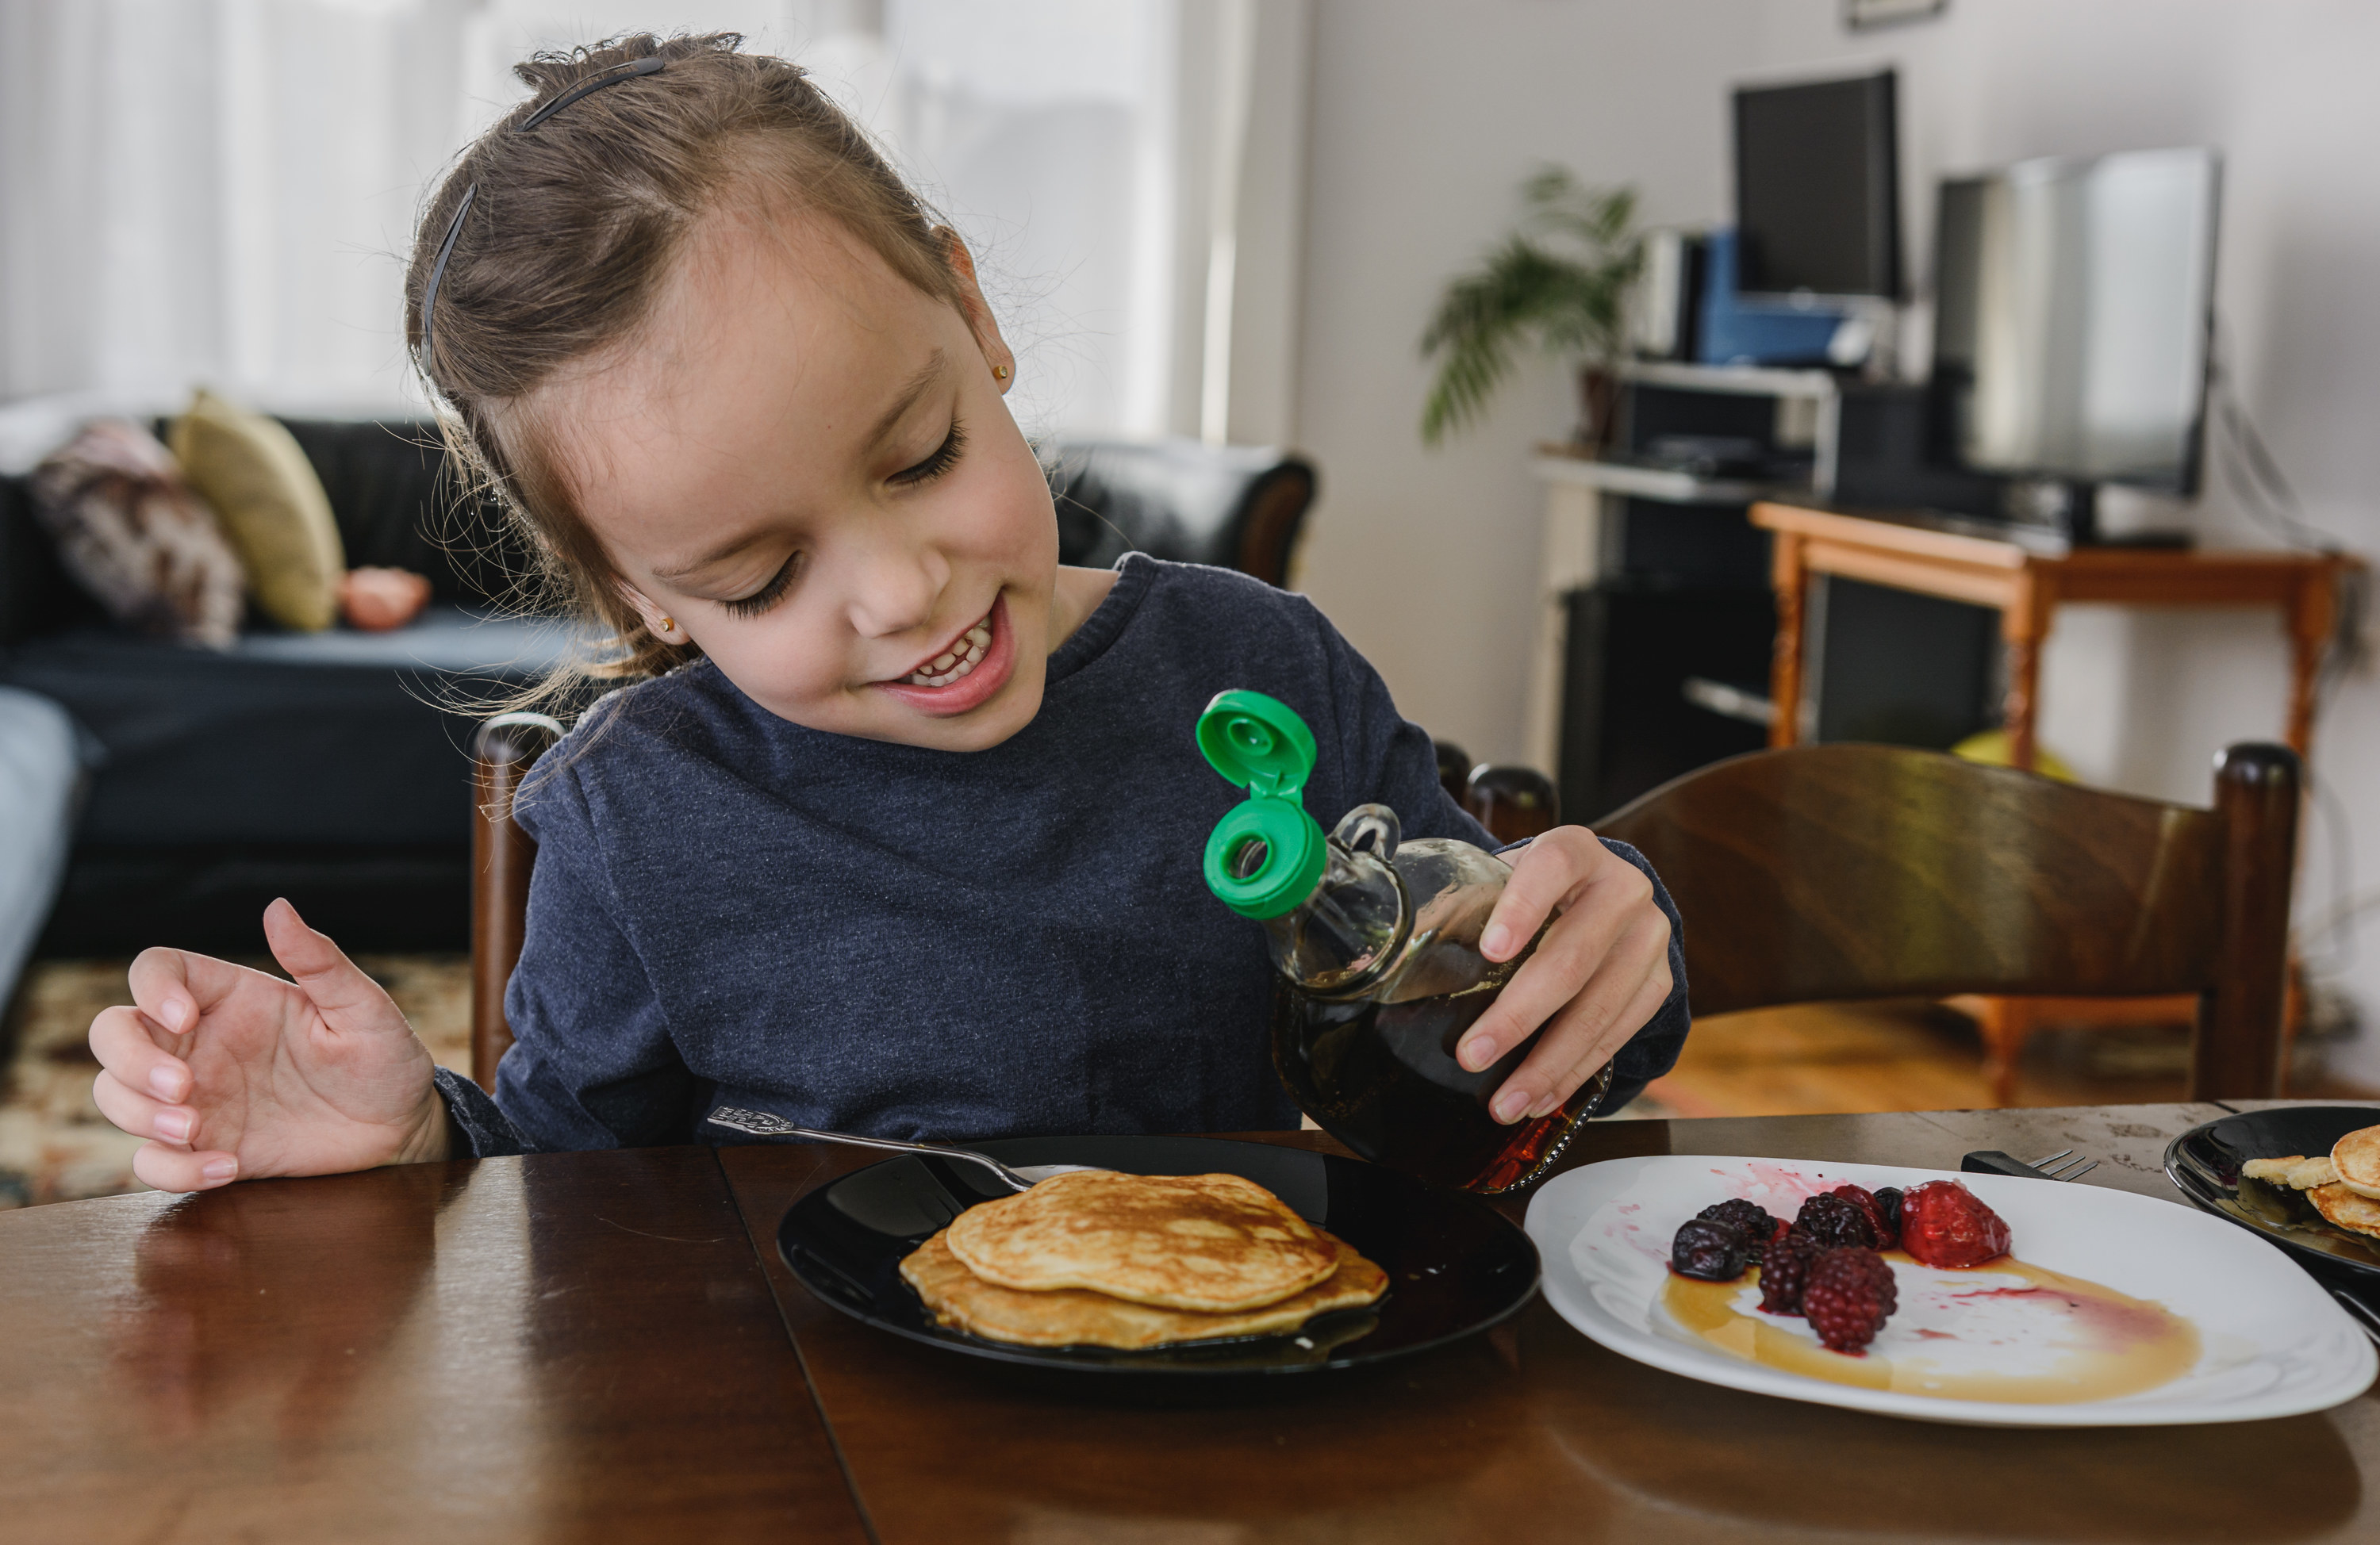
(1601, 972)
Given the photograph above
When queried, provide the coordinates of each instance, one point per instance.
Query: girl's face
(804, 465)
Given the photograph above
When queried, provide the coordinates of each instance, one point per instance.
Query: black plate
(2205, 1162)
(1455, 1266)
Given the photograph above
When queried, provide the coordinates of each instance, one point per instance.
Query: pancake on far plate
(2356, 1156)
(2344, 1209)
(1213, 1243)
(1075, 1317)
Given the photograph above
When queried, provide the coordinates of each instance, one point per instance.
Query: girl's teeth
(951, 667)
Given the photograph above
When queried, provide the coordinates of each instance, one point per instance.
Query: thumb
(344, 995)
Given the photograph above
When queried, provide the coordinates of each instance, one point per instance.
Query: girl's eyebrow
(916, 386)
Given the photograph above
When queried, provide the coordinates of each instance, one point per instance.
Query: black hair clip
(650, 65)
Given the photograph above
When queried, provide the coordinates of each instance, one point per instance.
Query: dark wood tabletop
(606, 1347)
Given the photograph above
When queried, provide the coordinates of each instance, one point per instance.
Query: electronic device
(1667, 319)
(1817, 189)
(2073, 317)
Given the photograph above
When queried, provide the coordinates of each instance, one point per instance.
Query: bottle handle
(1372, 828)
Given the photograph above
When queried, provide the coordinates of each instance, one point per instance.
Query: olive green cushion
(272, 506)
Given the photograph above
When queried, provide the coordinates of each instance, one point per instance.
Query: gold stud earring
(1000, 372)
(668, 626)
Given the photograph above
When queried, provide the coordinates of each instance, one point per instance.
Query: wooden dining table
(606, 1347)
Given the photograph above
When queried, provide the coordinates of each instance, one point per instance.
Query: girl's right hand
(233, 1074)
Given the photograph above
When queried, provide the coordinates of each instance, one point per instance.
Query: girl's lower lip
(973, 689)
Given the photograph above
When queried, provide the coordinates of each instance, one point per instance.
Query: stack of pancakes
(2343, 1186)
(1099, 1258)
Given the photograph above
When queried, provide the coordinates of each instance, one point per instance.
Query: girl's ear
(660, 623)
(996, 352)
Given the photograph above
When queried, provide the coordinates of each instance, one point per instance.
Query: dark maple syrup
(1383, 1079)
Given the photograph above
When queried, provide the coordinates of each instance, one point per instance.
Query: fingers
(1573, 951)
(1544, 1069)
(1628, 981)
(177, 1169)
(348, 1000)
(1548, 874)
(174, 988)
(133, 1051)
(141, 1114)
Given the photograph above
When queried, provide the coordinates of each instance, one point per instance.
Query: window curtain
(223, 191)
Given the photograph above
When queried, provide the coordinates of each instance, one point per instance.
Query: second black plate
(2205, 1162)
(1455, 1265)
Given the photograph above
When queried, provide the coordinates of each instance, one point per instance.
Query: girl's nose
(896, 584)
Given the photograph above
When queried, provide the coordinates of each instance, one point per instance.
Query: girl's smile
(966, 674)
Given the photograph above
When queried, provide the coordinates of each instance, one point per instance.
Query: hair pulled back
(573, 228)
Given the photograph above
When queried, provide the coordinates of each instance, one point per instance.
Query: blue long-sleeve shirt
(730, 909)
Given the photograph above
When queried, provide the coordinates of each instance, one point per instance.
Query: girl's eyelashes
(945, 456)
(768, 594)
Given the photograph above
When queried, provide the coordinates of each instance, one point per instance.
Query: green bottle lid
(1263, 859)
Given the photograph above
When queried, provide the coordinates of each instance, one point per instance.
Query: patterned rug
(54, 1146)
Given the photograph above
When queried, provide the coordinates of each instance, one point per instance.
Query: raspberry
(1709, 1250)
(1943, 1224)
(1785, 1269)
(1850, 1293)
(1833, 1221)
(1749, 1216)
(1888, 1231)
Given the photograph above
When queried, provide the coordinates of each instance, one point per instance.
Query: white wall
(1426, 113)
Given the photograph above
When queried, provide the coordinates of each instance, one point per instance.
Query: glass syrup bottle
(1376, 944)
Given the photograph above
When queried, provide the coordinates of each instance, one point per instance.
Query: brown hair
(572, 226)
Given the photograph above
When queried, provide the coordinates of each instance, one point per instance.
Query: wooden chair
(1837, 871)
(502, 753)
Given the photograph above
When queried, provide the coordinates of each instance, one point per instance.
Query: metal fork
(1991, 1161)
(762, 1124)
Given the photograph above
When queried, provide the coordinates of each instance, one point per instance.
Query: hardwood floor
(1821, 1058)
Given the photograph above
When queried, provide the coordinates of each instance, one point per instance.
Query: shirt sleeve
(1390, 759)
(592, 1064)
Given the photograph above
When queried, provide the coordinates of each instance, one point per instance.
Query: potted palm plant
(1559, 280)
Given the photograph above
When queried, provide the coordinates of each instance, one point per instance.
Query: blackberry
(1749, 1216)
(1834, 1222)
(1786, 1271)
(1887, 1202)
(1849, 1296)
(1709, 1250)
(1887, 1233)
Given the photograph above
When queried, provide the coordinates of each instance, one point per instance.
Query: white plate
(2274, 1342)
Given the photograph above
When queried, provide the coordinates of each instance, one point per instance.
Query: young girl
(898, 829)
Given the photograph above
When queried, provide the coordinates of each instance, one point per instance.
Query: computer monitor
(2073, 312)
(1817, 189)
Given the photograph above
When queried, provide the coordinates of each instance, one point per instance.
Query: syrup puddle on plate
(2008, 1331)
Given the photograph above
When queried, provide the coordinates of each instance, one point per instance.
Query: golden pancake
(2295, 1171)
(1213, 1243)
(2356, 1156)
(2346, 1209)
(1074, 1317)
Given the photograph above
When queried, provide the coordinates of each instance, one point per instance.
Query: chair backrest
(1234, 506)
(502, 753)
(1839, 871)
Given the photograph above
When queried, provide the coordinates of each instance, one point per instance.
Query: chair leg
(2006, 1024)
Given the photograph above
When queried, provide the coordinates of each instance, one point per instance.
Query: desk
(605, 1346)
(2027, 586)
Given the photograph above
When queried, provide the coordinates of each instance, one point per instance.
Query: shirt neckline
(1135, 572)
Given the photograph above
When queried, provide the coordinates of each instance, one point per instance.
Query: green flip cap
(1261, 744)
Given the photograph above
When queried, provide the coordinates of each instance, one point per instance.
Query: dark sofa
(333, 768)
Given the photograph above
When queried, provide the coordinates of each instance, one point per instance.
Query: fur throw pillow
(129, 528)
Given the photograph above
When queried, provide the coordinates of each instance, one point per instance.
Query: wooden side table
(2026, 586)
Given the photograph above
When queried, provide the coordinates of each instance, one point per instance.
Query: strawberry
(1943, 1224)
